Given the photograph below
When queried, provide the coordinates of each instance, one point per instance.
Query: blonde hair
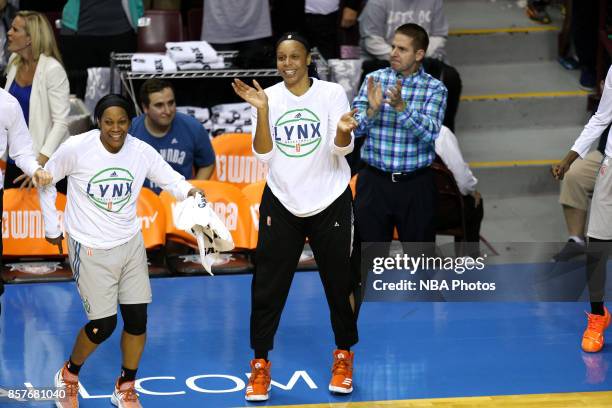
(41, 34)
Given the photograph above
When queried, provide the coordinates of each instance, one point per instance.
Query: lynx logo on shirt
(110, 189)
(297, 133)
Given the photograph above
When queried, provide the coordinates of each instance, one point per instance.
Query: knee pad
(134, 319)
(100, 329)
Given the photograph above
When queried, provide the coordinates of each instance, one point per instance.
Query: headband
(294, 36)
(111, 100)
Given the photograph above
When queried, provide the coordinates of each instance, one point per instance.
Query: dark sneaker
(571, 250)
(587, 80)
(538, 14)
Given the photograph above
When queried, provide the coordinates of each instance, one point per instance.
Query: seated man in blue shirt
(179, 138)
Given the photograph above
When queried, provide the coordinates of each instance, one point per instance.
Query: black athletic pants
(281, 240)
(598, 253)
(409, 205)
(382, 204)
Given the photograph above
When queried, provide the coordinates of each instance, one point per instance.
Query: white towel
(242, 107)
(200, 66)
(208, 125)
(234, 122)
(191, 51)
(223, 117)
(201, 114)
(152, 64)
(221, 129)
(196, 216)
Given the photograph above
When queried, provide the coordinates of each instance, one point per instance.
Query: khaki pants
(579, 182)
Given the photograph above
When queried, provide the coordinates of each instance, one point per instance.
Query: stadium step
(520, 110)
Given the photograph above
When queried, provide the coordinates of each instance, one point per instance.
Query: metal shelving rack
(121, 66)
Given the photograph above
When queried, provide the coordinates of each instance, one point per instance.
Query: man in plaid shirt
(400, 112)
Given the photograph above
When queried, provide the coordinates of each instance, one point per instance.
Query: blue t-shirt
(22, 94)
(185, 146)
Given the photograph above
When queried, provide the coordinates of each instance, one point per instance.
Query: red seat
(163, 26)
(449, 200)
(194, 24)
(236, 163)
(152, 216)
(28, 257)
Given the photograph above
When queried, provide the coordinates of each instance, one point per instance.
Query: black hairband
(294, 36)
(113, 100)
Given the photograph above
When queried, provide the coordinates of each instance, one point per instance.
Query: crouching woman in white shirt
(303, 131)
(106, 169)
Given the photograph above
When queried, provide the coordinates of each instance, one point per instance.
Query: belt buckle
(393, 177)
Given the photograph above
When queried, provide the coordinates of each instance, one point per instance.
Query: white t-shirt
(323, 7)
(598, 122)
(447, 147)
(307, 171)
(103, 188)
(231, 21)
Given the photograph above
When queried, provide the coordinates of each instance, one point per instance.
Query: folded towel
(242, 107)
(200, 66)
(233, 122)
(201, 114)
(191, 51)
(208, 125)
(221, 129)
(152, 64)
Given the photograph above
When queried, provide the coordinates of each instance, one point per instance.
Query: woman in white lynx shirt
(303, 131)
(106, 169)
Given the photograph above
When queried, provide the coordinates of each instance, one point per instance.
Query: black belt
(396, 177)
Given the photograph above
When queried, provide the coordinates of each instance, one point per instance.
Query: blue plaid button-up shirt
(402, 141)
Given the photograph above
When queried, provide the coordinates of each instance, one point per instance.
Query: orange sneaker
(593, 337)
(342, 372)
(125, 395)
(259, 385)
(68, 382)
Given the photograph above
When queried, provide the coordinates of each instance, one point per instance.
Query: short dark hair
(294, 36)
(150, 86)
(111, 100)
(420, 39)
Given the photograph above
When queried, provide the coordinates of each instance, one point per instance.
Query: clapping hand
(256, 97)
(394, 97)
(375, 97)
(347, 122)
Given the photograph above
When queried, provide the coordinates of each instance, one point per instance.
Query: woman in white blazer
(36, 77)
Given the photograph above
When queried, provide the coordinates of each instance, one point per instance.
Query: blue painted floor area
(198, 346)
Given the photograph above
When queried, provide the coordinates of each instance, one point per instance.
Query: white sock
(577, 239)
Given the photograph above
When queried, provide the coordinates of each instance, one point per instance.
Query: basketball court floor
(409, 354)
